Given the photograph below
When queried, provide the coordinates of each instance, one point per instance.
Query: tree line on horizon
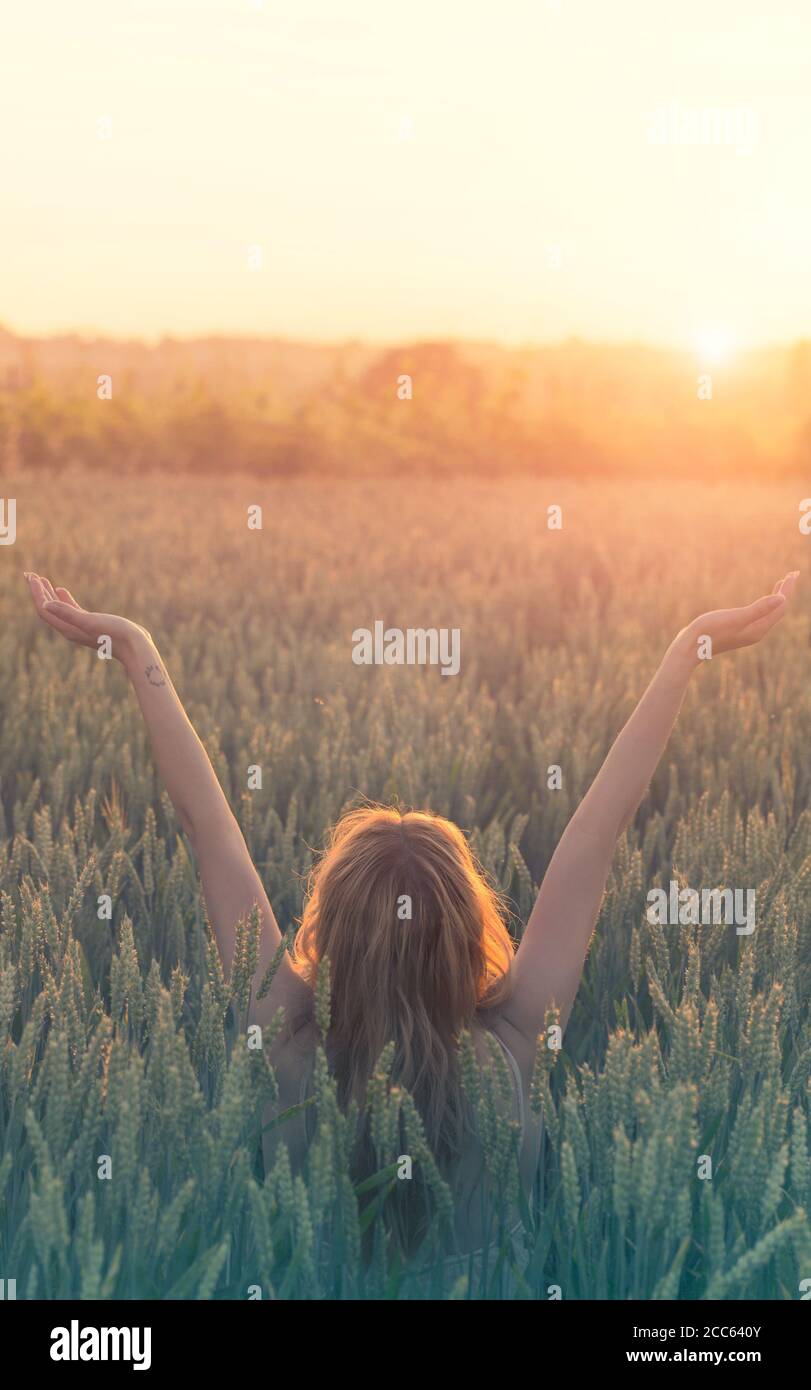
(277, 408)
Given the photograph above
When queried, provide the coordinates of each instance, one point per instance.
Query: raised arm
(549, 962)
(231, 883)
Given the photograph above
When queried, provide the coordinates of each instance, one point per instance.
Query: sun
(713, 345)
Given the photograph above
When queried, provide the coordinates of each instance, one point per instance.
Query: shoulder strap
(519, 1085)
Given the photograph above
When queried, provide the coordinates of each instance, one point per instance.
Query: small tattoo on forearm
(154, 675)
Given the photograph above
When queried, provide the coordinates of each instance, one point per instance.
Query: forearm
(231, 883)
(549, 961)
(181, 759)
(614, 796)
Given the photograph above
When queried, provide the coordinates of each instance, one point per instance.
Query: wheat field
(122, 1038)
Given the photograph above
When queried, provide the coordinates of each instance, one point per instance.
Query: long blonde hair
(417, 980)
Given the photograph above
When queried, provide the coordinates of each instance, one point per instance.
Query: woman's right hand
(731, 628)
(58, 609)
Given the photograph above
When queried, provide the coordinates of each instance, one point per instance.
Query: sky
(520, 171)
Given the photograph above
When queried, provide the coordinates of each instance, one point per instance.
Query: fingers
(45, 586)
(755, 631)
(67, 597)
(42, 593)
(41, 588)
(38, 591)
(70, 614)
(762, 608)
(761, 616)
(786, 586)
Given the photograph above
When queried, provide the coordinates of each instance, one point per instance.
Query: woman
(415, 938)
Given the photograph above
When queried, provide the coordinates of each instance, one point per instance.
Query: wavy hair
(415, 980)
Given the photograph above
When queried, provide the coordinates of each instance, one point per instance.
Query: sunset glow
(522, 172)
(714, 346)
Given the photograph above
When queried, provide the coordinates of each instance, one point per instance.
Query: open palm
(730, 628)
(58, 609)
